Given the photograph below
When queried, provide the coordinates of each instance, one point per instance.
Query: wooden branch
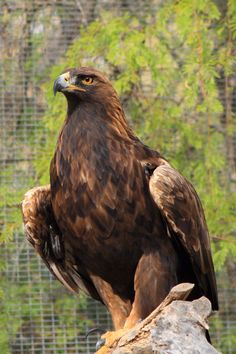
(178, 292)
(174, 327)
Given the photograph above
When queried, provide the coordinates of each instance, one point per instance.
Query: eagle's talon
(94, 330)
(100, 343)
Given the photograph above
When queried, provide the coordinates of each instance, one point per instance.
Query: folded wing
(42, 232)
(182, 211)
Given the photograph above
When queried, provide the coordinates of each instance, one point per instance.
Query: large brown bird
(116, 221)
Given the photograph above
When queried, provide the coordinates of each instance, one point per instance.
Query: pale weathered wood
(178, 292)
(174, 327)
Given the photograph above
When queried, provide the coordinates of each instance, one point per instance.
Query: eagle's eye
(87, 80)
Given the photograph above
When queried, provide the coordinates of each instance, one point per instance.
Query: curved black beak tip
(61, 83)
(56, 87)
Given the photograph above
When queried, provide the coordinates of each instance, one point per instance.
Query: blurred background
(173, 65)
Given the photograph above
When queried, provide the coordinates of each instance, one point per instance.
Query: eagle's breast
(94, 178)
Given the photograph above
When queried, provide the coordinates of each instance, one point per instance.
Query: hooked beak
(61, 83)
(66, 83)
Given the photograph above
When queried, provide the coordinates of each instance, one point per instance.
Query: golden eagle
(117, 220)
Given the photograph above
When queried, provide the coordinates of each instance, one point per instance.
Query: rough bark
(175, 327)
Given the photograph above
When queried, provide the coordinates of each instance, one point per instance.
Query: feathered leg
(153, 281)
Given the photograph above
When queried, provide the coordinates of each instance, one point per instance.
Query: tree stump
(174, 327)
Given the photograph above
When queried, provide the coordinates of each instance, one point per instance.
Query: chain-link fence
(38, 315)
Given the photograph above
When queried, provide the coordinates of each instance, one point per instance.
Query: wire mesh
(42, 318)
(53, 325)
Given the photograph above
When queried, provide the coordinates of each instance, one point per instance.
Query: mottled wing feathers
(183, 213)
(43, 233)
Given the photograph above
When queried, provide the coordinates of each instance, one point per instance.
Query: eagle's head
(87, 90)
(84, 83)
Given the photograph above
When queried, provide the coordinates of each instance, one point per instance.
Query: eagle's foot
(111, 338)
